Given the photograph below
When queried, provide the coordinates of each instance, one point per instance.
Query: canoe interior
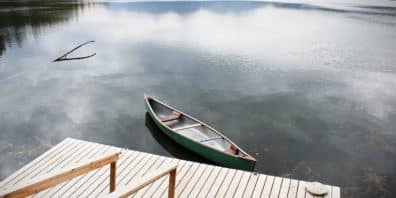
(193, 129)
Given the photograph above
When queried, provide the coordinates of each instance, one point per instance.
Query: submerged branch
(64, 58)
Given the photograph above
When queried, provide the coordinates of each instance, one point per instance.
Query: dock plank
(234, 184)
(276, 187)
(251, 185)
(293, 189)
(209, 182)
(212, 191)
(192, 182)
(224, 187)
(301, 189)
(284, 187)
(268, 186)
(183, 183)
(259, 187)
(242, 185)
(201, 181)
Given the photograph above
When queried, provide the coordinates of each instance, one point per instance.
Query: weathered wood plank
(234, 184)
(242, 185)
(209, 182)
(268, 186)
(183, 183)
(293, 189)
(142, 169)
(226, 183)
(259, 187)
(219, 180)
(276, 187)
(251, 185)
(301, 189)
(284, 190)
(201, 181)
(192, 182)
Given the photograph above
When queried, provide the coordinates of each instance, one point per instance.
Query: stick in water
(63, 57)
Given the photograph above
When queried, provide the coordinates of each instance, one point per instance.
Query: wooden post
(113, 168)
(172, 184)
(127, 190)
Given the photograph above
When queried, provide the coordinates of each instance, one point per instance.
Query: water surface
(307, 89)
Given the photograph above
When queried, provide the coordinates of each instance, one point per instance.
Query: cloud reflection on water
(308, 92)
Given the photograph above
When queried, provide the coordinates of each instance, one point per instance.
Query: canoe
(197, 136)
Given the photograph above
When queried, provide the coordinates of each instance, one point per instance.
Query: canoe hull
(206, 152)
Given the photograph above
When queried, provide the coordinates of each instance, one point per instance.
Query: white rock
(317, 188)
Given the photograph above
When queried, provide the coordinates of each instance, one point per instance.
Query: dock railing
(56, 177)
(59, 176)
(127, 190)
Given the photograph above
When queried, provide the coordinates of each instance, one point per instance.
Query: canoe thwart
(210, 139)
(187, 127)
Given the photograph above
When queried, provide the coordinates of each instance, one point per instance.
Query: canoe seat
(234, 149)
(173, 116)
(210, 139)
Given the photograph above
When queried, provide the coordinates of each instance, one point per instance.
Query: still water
(307, 89)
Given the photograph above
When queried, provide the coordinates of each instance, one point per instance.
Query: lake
(308, 89)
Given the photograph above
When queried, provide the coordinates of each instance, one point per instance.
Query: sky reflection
(307, 91)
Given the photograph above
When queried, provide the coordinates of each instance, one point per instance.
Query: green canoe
(198, 136)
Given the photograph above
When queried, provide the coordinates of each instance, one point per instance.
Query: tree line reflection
(20, 18)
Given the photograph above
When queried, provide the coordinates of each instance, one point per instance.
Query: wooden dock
(192, 179)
